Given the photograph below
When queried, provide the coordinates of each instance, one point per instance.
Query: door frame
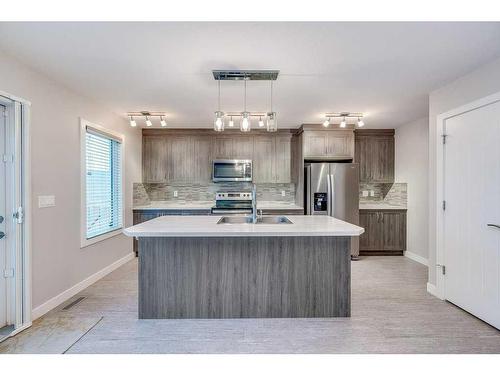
(440, 291)
(18, 127)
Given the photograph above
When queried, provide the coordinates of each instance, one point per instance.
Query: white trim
(84, 124)
(440, 287)
(416, 258)
(77, 288)
(431, 289)
(21, 117)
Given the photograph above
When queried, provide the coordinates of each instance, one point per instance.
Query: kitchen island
(193, 267)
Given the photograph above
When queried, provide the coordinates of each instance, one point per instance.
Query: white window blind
(104, 199)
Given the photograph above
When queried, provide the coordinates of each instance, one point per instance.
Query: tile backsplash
(394, 194)
(144, 193)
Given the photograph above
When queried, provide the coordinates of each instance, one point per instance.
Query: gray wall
(58, 261)
(478, 84)
(412, 166)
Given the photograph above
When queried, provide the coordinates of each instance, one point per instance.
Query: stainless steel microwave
(224, 170)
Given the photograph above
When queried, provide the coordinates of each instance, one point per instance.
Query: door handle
(2, 235)
(494, 225)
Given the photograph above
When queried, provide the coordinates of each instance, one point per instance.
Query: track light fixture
(346, 118)
(163, 123)
(132, 122)
(147, 116)
(219, 116)
(231, 122)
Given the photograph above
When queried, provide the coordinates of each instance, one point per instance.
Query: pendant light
(245, 124)
(272, 122)
(219, 116)
(132, 122)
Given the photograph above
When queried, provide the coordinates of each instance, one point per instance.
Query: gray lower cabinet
(140, 216)
(385, 232)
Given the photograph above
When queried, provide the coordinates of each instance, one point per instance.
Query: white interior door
(3, 248)
(472, 195)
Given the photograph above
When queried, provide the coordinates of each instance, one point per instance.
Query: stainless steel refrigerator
(333, 189)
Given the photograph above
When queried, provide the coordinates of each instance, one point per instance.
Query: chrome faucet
(254, 204)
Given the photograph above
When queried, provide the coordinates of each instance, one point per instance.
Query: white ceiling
(385, 70)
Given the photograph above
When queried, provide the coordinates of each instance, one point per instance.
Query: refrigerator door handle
(328, 196)
(332, 194)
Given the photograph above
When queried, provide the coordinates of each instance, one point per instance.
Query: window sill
(88, 242)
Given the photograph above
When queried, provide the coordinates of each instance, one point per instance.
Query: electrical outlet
(175, 194)
(372, 193)
(365, 193)
(46, 201)
(283, 193)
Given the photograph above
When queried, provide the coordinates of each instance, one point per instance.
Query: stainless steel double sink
(260, 220)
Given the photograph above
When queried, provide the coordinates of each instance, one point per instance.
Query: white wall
(58, 261)
(412, 166)
(478, 84)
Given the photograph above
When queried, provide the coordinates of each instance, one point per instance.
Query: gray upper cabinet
(374, 151)
(328, 144)
(283, 159)
(203, 146)
(264, 165)
(243, 147)
(154, 159)
(186, 156)
(182, 159)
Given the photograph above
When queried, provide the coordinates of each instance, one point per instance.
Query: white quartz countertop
(206, 226)
(380, 206)
(206, 205)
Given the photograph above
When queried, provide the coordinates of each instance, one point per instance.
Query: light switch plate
(46, 201)
(365, 193)
(175, 194)
(283, 193)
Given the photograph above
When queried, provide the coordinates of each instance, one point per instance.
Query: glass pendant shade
(245, 124)
(219, 121)
(272, 122)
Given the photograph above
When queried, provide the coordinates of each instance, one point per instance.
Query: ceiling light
(261, 123)
(326, 123)
(360, 123)
(343, 123)
(132, 122)
(162, 121)
(219, 121)
(245, 124)
(219, 116)
(272, 122)
(148, 122)
(231, 122)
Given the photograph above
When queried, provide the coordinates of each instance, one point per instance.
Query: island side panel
(244, 277)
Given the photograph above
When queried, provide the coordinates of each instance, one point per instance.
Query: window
(102, 183)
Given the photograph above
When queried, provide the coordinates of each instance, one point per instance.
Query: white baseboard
(67, 294)
(416, 258)
(431, 289)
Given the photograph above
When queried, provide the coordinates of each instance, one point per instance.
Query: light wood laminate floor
(391, 313)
